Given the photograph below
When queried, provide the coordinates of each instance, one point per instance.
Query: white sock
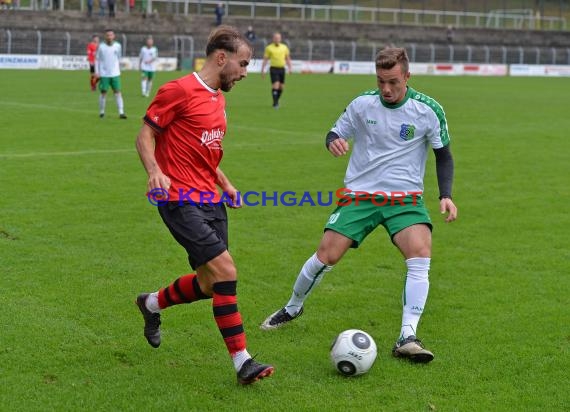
(152, 303)
(415, 295)
(143, 86)
(148, 87)
(102, 100)
(310, 276)
(239, 358)
(119, 100)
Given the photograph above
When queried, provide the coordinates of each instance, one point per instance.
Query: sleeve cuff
(152, 124)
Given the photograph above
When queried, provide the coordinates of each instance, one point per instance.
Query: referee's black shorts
(277, 74)
(202, 229)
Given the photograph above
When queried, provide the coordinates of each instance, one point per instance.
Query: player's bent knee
(332, 248)
(224, 275)
(420, 250)
(229, 273)
(222, 269)
(328, 257)
(416, 251)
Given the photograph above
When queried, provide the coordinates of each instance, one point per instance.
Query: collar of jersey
(204, 84)
(399, 104)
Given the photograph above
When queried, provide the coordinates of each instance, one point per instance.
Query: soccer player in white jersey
(392, 128)
(108, 71)
(147, 60)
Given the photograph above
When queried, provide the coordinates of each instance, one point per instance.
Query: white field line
(47, 107)
(72, 153)
(268, 132)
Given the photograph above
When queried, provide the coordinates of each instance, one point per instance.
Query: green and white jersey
(391, 141)
(107, 60)
(148, 56)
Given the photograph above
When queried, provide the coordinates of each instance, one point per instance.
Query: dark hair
(226, 38)
(391, 56)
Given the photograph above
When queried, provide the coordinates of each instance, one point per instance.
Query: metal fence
(430, 53)
(514, 18)
(186, 48)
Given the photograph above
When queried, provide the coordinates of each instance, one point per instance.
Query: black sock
(275, 94)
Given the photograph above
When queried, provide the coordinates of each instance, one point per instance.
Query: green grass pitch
(79, 241)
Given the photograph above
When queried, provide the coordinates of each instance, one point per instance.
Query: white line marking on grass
(75, 153)
(46, 107)
(230, 127)
(233, 145)
(270, 131)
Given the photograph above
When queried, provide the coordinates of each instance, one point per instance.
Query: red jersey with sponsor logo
(189, 119)
(91, 52)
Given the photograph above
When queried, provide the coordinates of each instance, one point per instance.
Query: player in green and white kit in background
(392, 128)
(108, 71)
(147, 60)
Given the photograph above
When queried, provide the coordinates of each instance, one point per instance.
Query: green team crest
(407, 131)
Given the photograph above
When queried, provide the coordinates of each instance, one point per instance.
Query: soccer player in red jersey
(91, 52)
(180, 145)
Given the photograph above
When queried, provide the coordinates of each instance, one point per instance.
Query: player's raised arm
(145, 148)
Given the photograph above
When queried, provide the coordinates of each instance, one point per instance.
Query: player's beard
(225, 82)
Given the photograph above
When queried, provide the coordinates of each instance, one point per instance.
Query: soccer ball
(353, 352)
